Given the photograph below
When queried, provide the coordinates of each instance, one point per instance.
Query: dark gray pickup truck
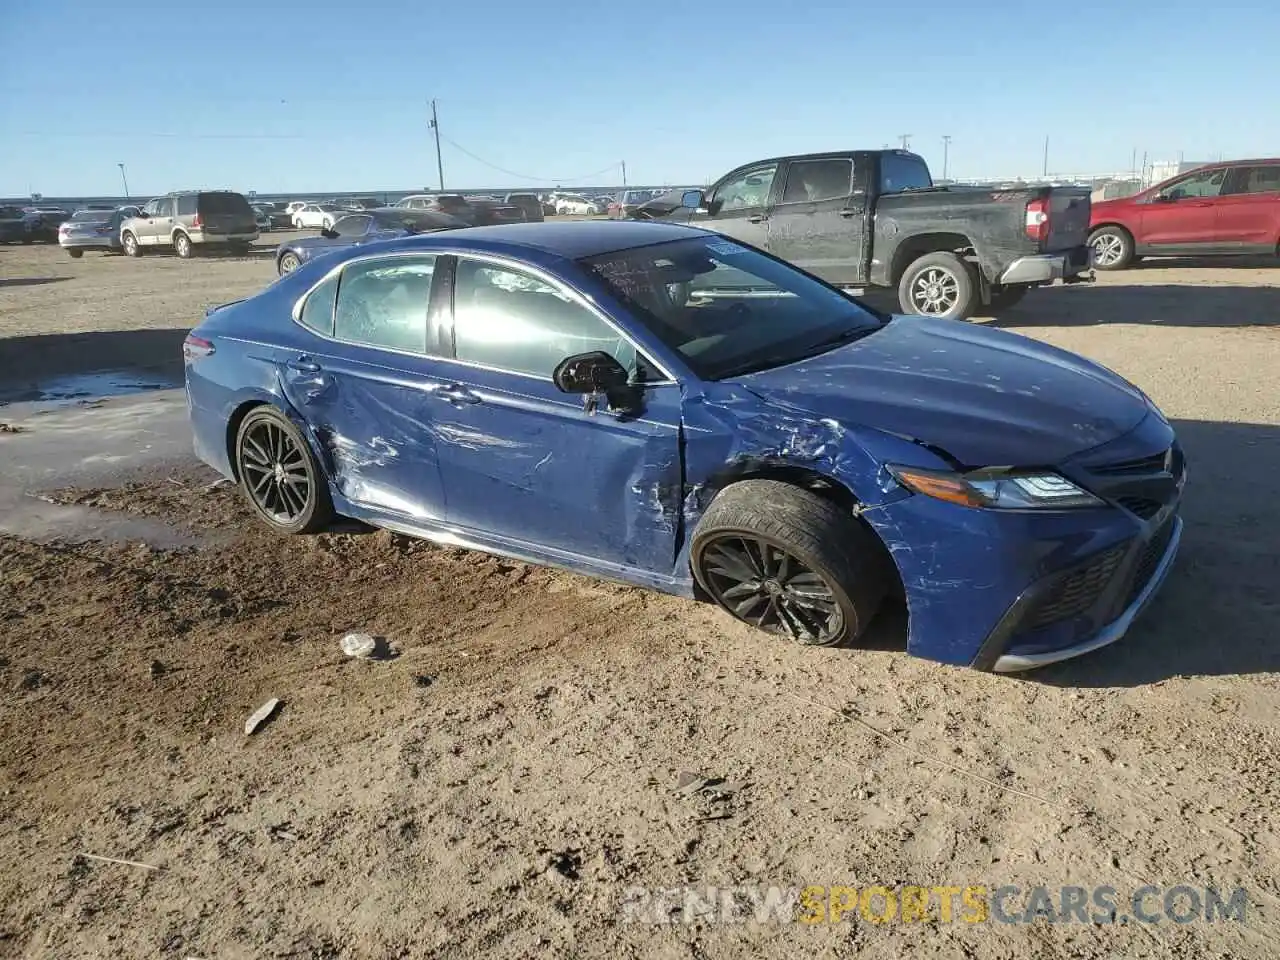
(863, 218)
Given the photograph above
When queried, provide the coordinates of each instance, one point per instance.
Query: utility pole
(435, 127)
(624, 173)
(946, 149)
(906, 140)
(124, 180)
(1046, 157)
(1133, 164)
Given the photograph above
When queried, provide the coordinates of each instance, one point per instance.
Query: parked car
(14, 225)
(628, 202)
(93, 230)
(356, 229)
(43, 223)
(576, 204)
(322, 215)
(1220, 209)
(293, 206)
(478, 212)
(528, 203)
(874, 218)
(789, 454)
(191, 220)
(278, 214)
(262, 217)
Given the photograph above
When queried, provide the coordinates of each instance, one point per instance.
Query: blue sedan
(663, 406)
(357, 229)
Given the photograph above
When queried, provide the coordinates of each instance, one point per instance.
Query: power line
(525, 176)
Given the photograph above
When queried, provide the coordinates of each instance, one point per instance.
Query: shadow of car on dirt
(60, 366)
(1218, 613)
(1166, 305)
(30, 281)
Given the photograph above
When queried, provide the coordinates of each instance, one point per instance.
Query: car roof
(571, 240)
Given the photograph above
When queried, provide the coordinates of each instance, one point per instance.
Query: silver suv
(191, 219)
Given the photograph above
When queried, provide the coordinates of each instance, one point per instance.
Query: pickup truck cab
(875, 218)
(1220, 209)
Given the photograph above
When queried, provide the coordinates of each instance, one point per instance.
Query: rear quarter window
(186, 205)
(317, 309)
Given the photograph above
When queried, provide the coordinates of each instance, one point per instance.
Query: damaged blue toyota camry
(663, 406)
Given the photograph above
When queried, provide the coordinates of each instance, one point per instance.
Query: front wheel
(279, 474)
(182, 246)
(288, 263)
(939, 285)
(783, 559)
(1112, 248)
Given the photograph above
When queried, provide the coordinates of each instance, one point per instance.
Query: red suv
(1221, 208)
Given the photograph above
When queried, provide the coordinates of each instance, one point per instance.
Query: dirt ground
(500, 781)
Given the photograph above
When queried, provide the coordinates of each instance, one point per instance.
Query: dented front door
(522, 461)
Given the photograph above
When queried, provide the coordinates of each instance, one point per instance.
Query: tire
(836, 555)
(288, 263)
(74, 254)
(1112, 248)
(131, 246)
(182, 246)
(1008, 297)
(261, 464)
(939, 285)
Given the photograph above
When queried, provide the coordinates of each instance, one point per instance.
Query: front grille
(1142, 465)
(1151, 557)
(1144, 507)
(1077, 592)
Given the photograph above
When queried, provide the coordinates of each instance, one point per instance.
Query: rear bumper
(204, 236)
(1047, 267)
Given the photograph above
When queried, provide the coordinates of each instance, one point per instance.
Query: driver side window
(747, 190)
(1202, 185)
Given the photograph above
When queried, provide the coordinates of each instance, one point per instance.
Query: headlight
(996, 489)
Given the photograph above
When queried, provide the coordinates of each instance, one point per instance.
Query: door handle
(303, 365)
(757, 218)
(457, 394)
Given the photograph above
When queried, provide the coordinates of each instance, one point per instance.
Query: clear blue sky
(316, 95)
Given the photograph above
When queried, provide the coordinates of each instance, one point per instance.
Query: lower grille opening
(1077, 592)
(1143, 507)
(1150, 560)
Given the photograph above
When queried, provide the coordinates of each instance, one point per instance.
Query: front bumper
(1047, 267)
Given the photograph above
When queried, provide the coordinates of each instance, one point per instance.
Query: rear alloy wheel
(74, 253)
(939, 285)
(131, 248)
(279, 475)
(1112, 248)
(785, 560)
(288, 263)
(182, 246)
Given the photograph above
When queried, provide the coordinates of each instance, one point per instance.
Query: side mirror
(329, 234)
(692, 199)
(595, 372)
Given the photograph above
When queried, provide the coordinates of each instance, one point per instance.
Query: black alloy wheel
(279, 475)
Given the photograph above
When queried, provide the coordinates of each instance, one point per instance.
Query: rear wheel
(131, 247)
(74, 253)
(939, 285)
(288, 263)
(1112, 248)
(182, 245)
(785, 560)
(279, 474)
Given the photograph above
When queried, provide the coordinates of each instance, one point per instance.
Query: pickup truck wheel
(1007, 297)
(939, 285)
(1112, 248)
(785, 560)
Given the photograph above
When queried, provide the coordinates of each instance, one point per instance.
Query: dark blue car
(358, 228)
(666, 407)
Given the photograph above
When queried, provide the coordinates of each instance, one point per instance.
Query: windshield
(728, 309)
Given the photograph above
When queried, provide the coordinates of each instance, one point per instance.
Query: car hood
(983, 396)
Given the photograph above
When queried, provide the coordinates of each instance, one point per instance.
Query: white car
(572, 203)
(322, 215)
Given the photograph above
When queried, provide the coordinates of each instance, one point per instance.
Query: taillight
(197, 222)
(196, 348)
(1038, 220)
(65, 228)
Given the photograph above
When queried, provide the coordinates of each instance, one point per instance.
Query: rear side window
(186, 205)
(317, 309)
(509, 320)
(383, 303)
(1261, 179)
(809, 181)
(224, 203)
(903, 171)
